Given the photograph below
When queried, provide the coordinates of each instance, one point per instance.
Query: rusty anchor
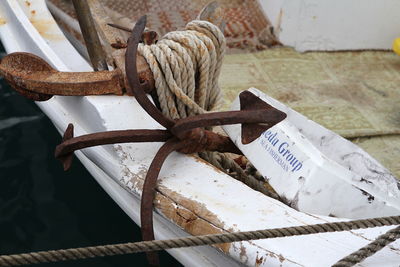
(186, 135)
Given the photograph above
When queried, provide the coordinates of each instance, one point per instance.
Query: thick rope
(370, 249)
(145, 246)
(186, 66)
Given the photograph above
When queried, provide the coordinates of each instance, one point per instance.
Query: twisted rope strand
(165, 97)
(188, 80)
(200, 56)
(171, 81)
(213, 63)
(220, 43)
(379, 243)
(145, 246)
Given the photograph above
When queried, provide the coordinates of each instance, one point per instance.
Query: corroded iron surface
(36, 79)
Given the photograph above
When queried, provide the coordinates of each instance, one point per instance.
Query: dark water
(41, 206)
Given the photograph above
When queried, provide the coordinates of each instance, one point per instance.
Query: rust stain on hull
(44, 27)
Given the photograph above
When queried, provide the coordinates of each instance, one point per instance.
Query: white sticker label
(282, 151)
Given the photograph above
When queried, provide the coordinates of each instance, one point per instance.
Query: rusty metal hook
(133, 78)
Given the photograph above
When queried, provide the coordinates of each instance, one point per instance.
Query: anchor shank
(111, 137)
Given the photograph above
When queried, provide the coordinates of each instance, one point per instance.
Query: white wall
(335, 24)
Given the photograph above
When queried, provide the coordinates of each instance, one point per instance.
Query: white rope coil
(186, 65)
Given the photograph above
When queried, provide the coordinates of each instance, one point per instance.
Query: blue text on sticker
(280, 151)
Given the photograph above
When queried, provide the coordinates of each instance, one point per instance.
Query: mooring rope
(370, 249)
(145, 246)
(186, 66)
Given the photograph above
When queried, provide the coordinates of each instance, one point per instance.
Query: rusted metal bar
(111, 137)
(29, 74)
(270, 118)
(35, 79)
(89, 33)
(67, 158)
(149, 191)
(198, 139)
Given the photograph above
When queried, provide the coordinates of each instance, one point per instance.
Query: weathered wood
(186, 219)
(93, 45)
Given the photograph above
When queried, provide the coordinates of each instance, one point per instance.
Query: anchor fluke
(251, 131)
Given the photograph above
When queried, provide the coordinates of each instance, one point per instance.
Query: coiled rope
(186, 66)
(145, 246)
